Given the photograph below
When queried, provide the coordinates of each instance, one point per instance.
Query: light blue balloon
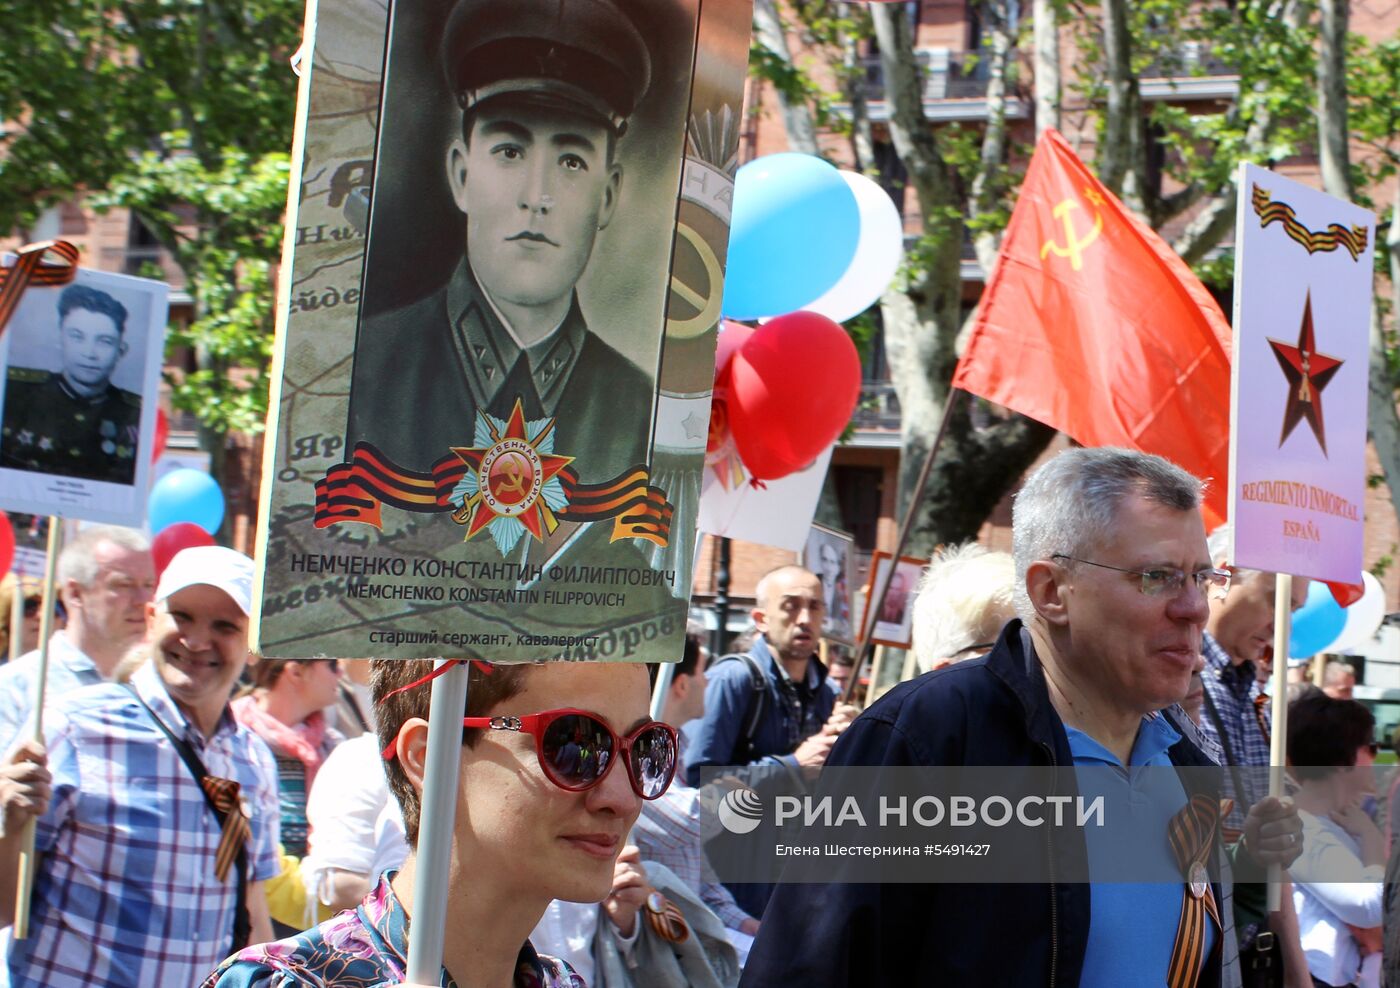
(1317, 623)
(792, 235)
(185, 495)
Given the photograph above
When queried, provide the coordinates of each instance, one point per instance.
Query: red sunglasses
(576, 749)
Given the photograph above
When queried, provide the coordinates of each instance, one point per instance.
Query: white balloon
(1363, 617)
(878, 253)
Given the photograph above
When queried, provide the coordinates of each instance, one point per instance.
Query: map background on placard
(307, 613)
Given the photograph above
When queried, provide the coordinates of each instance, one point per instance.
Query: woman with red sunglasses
(556, 761)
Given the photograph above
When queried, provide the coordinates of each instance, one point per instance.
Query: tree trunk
(1333, 135)
(975, 467)
(993, 154)
(797, 114)
(1385, 422)
(853, 83)
(1120, 160)
(1217, 217)
(1046, 24)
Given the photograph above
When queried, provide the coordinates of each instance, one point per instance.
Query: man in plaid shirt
(668, 831)
(1235, 717)
(134, 884)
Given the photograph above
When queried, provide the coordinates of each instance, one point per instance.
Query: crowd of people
(202, 816)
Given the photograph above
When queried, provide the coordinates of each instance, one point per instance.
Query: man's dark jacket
(992, 711)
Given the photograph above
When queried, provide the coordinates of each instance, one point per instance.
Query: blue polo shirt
(1132, 926)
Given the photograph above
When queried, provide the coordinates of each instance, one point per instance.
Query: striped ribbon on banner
(354, 490)
(33, 267)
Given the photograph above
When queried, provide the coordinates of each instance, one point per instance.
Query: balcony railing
(947, 75)
(878, 408)
(144, 262)
(1192, 70)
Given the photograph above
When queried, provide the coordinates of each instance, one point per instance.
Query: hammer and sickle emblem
(709, 303)
(1074, 244)
(516, 485)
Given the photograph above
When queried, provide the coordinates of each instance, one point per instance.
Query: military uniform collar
(68, 392)
(490, 353)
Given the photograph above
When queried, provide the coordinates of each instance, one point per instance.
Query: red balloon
(7, 543)
(162, 434)
(793, 386)
(173, 538)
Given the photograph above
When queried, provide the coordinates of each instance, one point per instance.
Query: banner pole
(17, 617)
(1278, 711)
(877, 594)
(433, 861)
(25, 883)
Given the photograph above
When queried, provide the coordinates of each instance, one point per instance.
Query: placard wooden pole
(433, 861)
(1278, 727)
(877, 594)
(665, 675)
(17, 617)
(27, 859)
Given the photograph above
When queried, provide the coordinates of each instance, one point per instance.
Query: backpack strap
(758, 695)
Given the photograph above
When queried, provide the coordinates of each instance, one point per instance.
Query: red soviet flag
(1093, 325)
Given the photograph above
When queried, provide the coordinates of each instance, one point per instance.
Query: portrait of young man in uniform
(74, 421)
(545, 91)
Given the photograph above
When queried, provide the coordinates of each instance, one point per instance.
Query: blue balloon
(1317, 623)
(792, 234)
(185, 495)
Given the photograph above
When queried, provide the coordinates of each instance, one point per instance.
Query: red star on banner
(512, 474)
(1308, 372)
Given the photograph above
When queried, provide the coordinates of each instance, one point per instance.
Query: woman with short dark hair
(1337, 881)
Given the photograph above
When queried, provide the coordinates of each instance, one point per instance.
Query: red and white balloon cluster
(810, 246)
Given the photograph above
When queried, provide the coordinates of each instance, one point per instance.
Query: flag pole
(1278, 713)
(25, 883)
(17, 617)
(433, 861)
(863, 651)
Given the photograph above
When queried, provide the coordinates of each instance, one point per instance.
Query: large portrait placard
(78, 397)
(497, 346)
(1303, 287)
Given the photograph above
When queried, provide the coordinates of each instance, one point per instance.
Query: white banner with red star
(1299, 376)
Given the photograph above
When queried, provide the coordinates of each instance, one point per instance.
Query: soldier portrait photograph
(73, 387)
(521, 257)
(828, 554)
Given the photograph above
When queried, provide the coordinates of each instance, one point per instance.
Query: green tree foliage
(1173, 160)
(181, 111)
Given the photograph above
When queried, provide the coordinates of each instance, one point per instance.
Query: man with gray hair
(1338, 679)
(964, 598)
(1111, 580)
(105, 578)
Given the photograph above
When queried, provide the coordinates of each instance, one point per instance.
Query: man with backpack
(773, 705)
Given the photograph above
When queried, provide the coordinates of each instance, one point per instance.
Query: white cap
(213, 566)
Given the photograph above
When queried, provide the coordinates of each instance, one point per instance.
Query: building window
(858, 493)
